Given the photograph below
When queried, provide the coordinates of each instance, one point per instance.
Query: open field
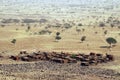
(32, 41)
(70, 39)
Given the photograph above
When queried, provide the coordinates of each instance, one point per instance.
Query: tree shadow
(55, 41)
(104, 46)
(108, 46)
(80, 42)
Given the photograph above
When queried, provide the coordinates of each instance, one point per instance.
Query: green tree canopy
(111, 40)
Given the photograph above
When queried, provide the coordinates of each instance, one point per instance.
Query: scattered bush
(67, 25)
(101, 24)
(58, 36)
(2, 25)
(58, 33)
(80, 24)
(83, 38)
(13, 41)
(42, 32)
(105, 32)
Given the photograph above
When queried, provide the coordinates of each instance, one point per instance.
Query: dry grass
(70, 42)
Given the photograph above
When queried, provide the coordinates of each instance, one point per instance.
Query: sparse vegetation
(112, 25)
(83, 30)
(13, 41)
(83, 38)
(61, 38)
(17, 29)
(58, 36)
(119, 27)
(10, 21)
(29, 20)
(67, 25)
(101, 24)
(28, 28)
(105, 32)
(58, 33)
(80, 24)
(42, 32)
(96, 32)
(2, 25)
(43, 21)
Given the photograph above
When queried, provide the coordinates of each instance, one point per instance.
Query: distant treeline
(23, 21)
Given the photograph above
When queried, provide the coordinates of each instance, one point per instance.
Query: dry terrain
(32, 41)
(33, 25)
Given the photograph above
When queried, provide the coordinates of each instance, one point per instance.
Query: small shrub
(83, 38)
(80, 24)
(58, 38)
(13, 41)
(58, 33)
(2, 25)
(102, 24)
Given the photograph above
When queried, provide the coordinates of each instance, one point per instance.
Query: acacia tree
(58, 33)
(111, 41)
(83, 38)
(57, 36)
(13, 41)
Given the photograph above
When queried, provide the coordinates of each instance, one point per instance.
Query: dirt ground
(31, 41)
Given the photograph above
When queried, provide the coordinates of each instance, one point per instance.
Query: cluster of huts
(84, 59)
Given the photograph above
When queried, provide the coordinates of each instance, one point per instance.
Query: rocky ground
(44, 70)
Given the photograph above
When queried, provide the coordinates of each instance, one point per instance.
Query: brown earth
(70, 42)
